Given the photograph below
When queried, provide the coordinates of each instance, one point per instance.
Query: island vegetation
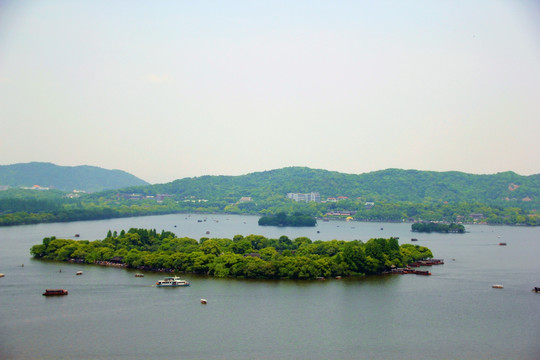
(438, 227)
(282, 219)
(252, 256)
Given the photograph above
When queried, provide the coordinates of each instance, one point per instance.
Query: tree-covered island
(438, 227)
(282, 219)
(252, 256)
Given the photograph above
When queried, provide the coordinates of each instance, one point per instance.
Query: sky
(168, 89)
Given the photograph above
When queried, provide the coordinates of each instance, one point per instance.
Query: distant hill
(387, 195)
(392, 185)
(66, 178)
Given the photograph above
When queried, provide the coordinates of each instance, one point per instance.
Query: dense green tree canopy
(282, 219)
(438, 227)
(253, 256)
(395, 195)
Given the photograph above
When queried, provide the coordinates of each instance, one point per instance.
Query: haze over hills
(393, 185)
(66, 178)
(386, 195)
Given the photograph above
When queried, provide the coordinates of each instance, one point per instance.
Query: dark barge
(55, 292)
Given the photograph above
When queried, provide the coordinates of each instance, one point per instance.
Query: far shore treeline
(382, 196)
(252, 256)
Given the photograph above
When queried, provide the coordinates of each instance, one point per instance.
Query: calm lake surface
(110, 314)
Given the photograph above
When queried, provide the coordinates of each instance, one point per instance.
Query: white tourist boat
(172, 281)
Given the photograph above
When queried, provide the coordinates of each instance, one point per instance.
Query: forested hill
(66, 178)
(392, 185)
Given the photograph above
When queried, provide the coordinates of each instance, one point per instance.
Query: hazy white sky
(173, 89)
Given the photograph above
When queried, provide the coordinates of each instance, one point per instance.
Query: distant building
(244, 199)
(340, 213)
(35, 187)
(310, 197)
(369, 204)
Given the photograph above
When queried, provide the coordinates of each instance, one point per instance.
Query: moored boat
(55, 292)
(172, 281)
(78, 273)
(497, 286)
(139, 275)
(502, 244)
(203, 301)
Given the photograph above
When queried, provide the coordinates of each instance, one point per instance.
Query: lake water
(110, 314)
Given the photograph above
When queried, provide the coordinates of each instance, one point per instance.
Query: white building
(313, 196)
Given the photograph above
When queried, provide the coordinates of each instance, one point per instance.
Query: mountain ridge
(66, 178)
(389, 185)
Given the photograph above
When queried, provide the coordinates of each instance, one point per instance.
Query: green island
(252, 256)
(438, 227)
(282, 219)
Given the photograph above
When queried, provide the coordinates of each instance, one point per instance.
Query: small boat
(414, 239)
(55, 292)
(139, 275)
(203, 301)
(78, 273)
(536, 289)
(77, 235)
(172, 281)
(497, 286)
(1, 275)
(502, 244)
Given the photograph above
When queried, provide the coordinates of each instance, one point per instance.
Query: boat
(78, 273)
(203, 301)
(139, 275)
(536, 289)
(414, 239)
(1, 275)
(497, 286)
(55, 292)
(172, 281)
(502, 244)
